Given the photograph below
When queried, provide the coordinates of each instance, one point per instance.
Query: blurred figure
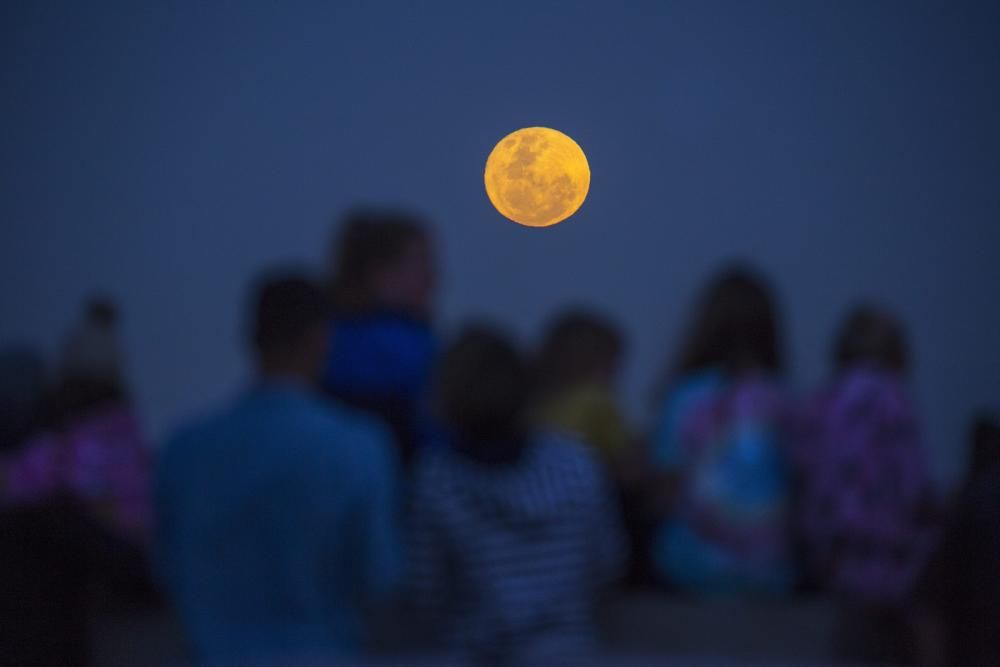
(276, 517)
(865, 505)
(721, 432)
(91, 367)
(577, 369)
(100, 460)
(865, 488)
(514, 534)
(74, 499)
(960, 590)
(91, 448)
(381, 346)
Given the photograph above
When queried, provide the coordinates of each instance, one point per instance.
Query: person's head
(579, 347)
(871, 337)
(736, 327)
(482, 387)
(382, 258)
(289, 328)
(90, 367)
(101, 311)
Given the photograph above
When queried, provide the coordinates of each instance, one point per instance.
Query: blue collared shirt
(276, 523)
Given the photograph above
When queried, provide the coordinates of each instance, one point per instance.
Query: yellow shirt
(590, 412)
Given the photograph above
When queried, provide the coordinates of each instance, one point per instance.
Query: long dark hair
(368, 239)
(736, 328)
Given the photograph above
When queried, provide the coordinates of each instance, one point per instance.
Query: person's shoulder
(689, 397)
(591, 398)
(432, 482)
(884, 394)
(190, 440)
(216, 424)
(694, 389)
(565, 455)
(434, 464)
(338, 416)
(347, 436)
(329, 418)
(198, 428)
(859, 381)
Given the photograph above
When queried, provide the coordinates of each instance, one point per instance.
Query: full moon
(537, 176)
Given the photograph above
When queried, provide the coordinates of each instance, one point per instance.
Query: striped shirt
(507, 561)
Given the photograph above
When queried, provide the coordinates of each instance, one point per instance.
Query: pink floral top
(101, 460)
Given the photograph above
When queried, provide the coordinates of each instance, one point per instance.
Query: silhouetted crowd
(483, 494)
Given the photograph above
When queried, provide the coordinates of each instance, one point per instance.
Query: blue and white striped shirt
(507, 560)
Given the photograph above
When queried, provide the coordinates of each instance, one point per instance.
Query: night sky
(164, 152)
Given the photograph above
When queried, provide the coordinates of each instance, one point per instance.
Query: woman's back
(866, 505)
(866, 495)
(725, 439)
(508, 559)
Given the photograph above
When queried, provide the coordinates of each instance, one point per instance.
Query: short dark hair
(576, 344)
(286, 307)
(871, 336)
(483, 385)
(369, 238)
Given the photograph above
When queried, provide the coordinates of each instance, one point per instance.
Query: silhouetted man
(276, 517)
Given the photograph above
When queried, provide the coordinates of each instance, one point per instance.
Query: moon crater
(537, 176)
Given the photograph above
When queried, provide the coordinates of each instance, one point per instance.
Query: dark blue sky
(164, 151)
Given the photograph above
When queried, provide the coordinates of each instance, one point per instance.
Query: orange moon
(537, 176)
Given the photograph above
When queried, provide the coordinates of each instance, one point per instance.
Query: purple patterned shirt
(865, 501)
(101, 460)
